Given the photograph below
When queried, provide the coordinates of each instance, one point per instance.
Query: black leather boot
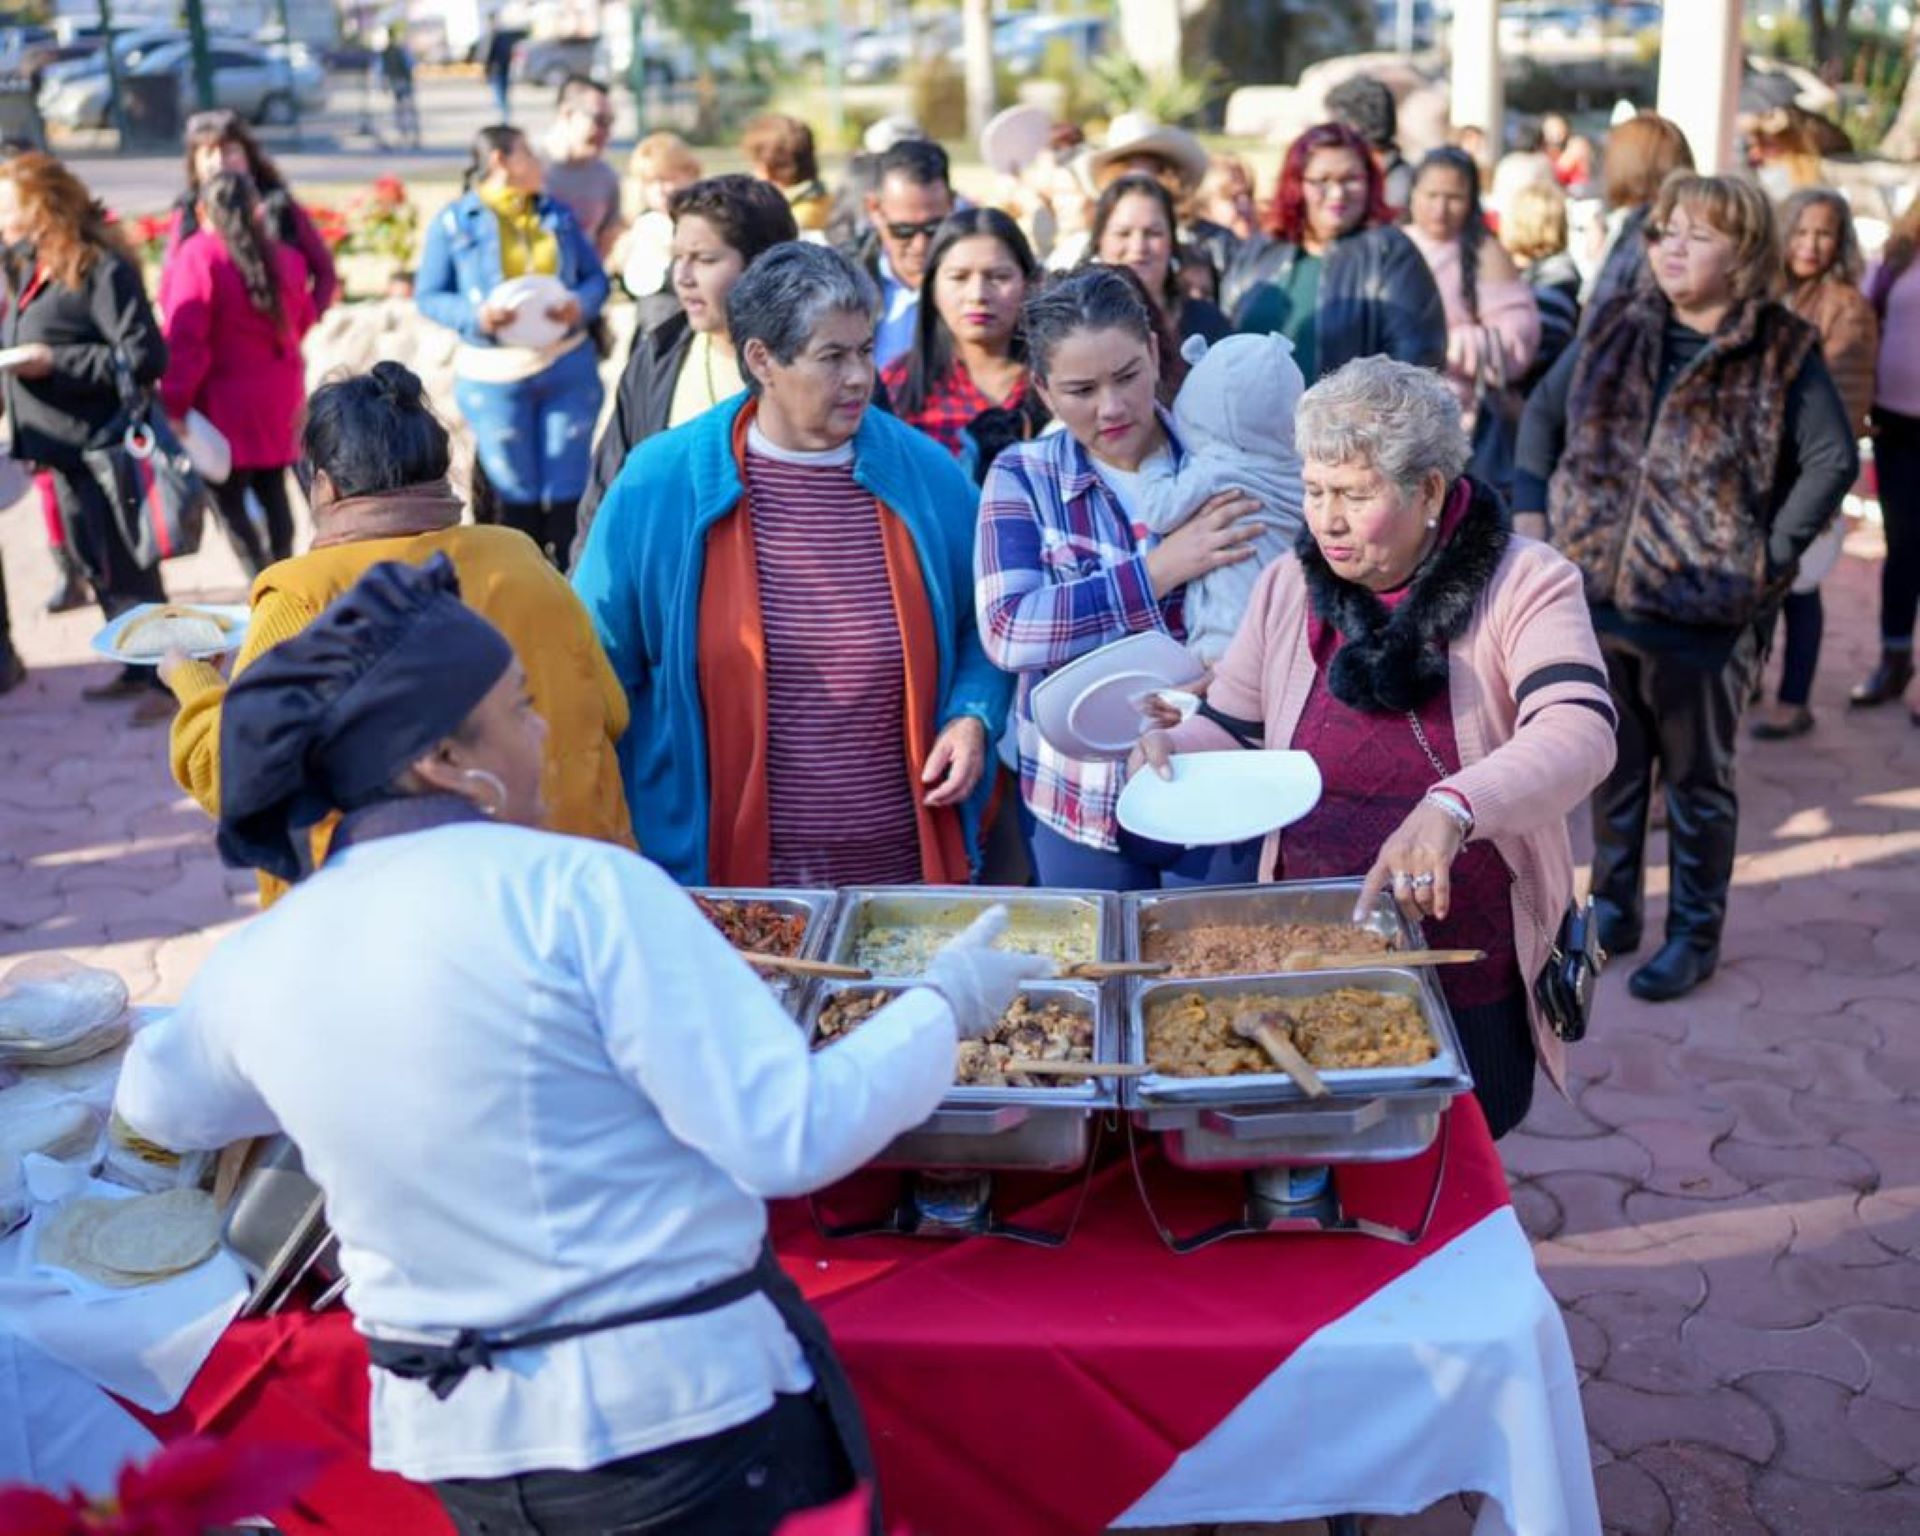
(74, 590)
(1705, 821)
(1676, 969)
(1619, 933)
(1886, 682)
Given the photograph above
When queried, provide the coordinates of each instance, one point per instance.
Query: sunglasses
(906, 234)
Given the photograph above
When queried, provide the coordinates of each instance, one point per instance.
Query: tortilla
(171, 626)
(51, 1002)
(154, 1235)
(64, 1242)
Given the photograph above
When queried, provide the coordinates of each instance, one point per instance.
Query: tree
(704, 25)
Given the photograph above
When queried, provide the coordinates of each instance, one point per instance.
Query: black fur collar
(1394, 660)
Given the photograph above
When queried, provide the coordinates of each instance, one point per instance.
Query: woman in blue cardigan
(532, 407)
(784, 587)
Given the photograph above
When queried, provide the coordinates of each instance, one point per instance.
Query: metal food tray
(1287, 901)
(982, 1128)
(818, 907)
(277, 1225)
(861, 907)
(1372, 1114)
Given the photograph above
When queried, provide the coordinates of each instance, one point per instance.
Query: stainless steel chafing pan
(1374, 1114)
(978, 1128)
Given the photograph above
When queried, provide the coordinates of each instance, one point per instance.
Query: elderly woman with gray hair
(1443, 673)
(784, 587)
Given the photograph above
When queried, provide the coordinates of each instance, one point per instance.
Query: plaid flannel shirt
(953, 400)
(1060, 571)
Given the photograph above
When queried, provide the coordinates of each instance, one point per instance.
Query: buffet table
(1039, 1392)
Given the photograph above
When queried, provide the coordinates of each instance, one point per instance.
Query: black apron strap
(829, 1376)
(444, 1366)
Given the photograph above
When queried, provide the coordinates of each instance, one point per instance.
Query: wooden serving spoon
(1328, 960)
(794, 966)
(1105, 970)
(1268, 1032)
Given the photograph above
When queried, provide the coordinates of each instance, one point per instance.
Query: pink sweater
(1499, 345)
(225, 358)
(1526, 765)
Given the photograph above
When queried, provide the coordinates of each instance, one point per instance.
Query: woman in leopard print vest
(1685, 452)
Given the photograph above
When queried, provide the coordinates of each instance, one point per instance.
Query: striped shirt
(1059, 570)
(839, 797)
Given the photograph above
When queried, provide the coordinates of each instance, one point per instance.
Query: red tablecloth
(1013, 1389)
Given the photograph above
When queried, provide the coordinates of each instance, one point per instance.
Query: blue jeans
(1805, 617)
(1138, 865)
(534, 437)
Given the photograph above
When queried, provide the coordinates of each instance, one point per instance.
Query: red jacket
(226, 359)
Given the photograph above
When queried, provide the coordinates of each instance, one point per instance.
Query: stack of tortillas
(124, 1243)
(54, 1011)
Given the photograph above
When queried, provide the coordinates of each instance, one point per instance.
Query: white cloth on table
(1457, 1376)
(145, 1343)
(58, 1430)
(538, 1087)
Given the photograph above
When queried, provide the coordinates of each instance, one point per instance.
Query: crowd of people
(1493, 526)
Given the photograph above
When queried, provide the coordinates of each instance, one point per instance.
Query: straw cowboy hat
(1134, 134)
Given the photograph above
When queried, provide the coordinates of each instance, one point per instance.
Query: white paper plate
(529, 298)
(1090, 707)
(233, 615)
(1220, 797)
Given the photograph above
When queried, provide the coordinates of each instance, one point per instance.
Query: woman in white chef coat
(544, 1097)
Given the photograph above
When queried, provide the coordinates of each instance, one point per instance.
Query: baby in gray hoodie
(1234, 416)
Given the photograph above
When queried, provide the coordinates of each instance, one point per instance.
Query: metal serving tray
(277, 1226)
(952, 907)
(1047, 1128)
(1291, 901)
(816, 905)
(1373, 1114)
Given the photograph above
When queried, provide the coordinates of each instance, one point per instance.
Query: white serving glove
(978, 981)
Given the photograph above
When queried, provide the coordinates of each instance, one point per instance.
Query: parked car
(265, 85)
(549, 60)
(1027, 44)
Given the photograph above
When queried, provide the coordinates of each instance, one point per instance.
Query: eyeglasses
(1322, 185)
(906, 234)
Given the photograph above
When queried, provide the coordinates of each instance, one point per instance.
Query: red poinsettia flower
(28, 1511)
(389, 190)
(200, 1482)
(851, 1516)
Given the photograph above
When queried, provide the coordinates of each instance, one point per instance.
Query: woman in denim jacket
(532, 408)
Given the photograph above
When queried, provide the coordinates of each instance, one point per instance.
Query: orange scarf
(732, 671)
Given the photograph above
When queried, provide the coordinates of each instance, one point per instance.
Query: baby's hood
(1242, 392)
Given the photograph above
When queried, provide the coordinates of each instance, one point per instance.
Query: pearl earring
(1433, 522)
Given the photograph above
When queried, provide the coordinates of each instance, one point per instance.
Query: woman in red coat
(235, 304)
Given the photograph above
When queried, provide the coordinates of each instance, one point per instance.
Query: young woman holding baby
(1061, 566)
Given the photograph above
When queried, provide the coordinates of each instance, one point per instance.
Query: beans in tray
(1252, 949)
(759, 927)
(1191, 1035)
(1028, 1031)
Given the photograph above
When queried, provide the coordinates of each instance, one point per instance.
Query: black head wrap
(327, 720)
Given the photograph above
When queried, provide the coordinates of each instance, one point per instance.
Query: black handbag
(1563, 990)
(157, 497)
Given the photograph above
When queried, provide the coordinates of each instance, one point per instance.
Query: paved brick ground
(1729, 1208)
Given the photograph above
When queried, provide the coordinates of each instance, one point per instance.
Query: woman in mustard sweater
(379, 459)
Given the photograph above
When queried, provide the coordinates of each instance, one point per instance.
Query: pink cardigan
(223, 356)
(1530, 643)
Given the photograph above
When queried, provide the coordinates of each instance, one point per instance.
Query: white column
(1479, 97)
(976, 46)
(1700, 63)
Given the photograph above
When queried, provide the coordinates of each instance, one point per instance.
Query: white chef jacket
(537, 1087)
